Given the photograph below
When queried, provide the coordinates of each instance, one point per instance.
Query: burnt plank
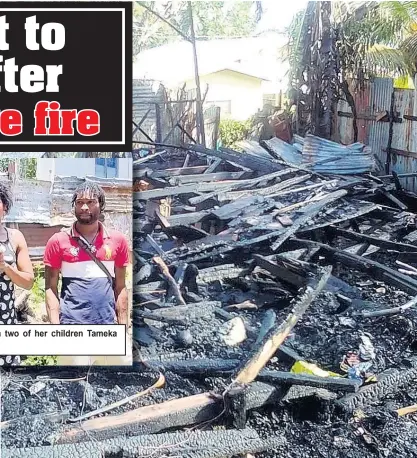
(387, 244)
(258, 164)
(178, 190)
(372, 268)
(219, 176)
(280, 272)
(250, 183)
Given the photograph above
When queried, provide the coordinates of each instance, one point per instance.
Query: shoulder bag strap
(82, 244)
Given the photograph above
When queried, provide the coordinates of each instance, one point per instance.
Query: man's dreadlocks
(90, 189)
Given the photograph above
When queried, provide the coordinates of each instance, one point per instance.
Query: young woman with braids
(15, 269)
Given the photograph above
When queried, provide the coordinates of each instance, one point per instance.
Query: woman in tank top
(15, 269)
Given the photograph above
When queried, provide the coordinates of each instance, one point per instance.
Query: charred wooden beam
(387, 244)
(170, 414)
(373, 268)
(387, 384)
(328, 383)
(222, 272)
(223, 368)
(225, 248)
(310, 212)
(158, 250)
(268, 323)
(189, 444)
(389, 311)
(259, 164)
(179, 171)
(219, 176)
(185, 233)
(269, 191)
(213, 166)
(187, 218)
(348, 217)
(283, 273)
(172, 284)
(272, 341)
(181, 314)
(251, 183)
(239, 207)
(393, 199)
(282, 235)
(178, 190)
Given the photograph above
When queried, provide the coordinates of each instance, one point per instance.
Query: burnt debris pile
(274, 316)
(289, 294)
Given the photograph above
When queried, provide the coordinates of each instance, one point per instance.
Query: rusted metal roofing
(378, 135)
(118, 196)
(32, 202)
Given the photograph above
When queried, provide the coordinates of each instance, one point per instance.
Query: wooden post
(200, 118)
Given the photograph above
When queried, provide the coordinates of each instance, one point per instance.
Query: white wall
(244, 92)
(47, 168)
(125, 169)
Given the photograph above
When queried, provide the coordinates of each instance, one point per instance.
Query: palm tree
(332, 42)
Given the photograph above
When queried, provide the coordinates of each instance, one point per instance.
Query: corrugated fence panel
(405, 159)
(345, 124)
(362, 96)
(375, 98)
(403, 105)
(381, 94)
(145, 97)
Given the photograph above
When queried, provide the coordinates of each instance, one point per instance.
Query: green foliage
(373, 38)
(40, 361)
(232, 131)
(211, 20)
(37, 293)
(28, 166)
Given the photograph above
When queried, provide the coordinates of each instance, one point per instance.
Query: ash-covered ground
(328, 330)
(310, 426)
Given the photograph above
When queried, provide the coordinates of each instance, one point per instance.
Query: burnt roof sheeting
(285, 151)
(329, 157)
(323, 155)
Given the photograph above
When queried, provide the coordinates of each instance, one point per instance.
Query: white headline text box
(63, 340)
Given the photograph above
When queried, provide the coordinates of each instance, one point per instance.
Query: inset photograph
(66, 244)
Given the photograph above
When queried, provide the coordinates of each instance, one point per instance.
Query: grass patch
(37, 300)
(37, 293)
(40, 361)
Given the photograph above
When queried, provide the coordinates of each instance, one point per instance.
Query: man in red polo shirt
(92, 292)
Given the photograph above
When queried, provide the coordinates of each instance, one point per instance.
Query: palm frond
(409, 46)
(383, 60)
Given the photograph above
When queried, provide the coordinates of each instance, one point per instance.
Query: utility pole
(200, 117)
(201, 136)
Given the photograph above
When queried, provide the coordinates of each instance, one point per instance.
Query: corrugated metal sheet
(32, 203)
(17, 155)
(403, 105)
(145, 96)
(329, 157)
(324, 155)
(344, 125)
(284, 150)
(118, 196)
(381, 94)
